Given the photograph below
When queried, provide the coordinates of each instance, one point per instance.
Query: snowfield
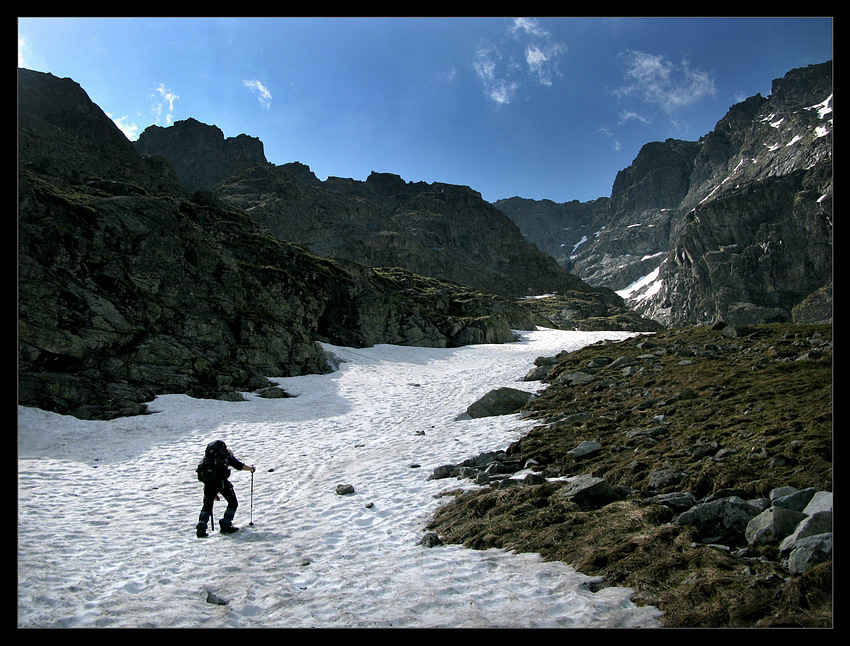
(107, 510)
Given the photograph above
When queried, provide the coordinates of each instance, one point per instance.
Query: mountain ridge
(440, 230)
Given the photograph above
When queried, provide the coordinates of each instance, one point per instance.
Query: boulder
(663, 478)
(538, 373)
(809, 552)
(430, 539)
(575, 379)
(678, 501)
(584, 449)
(772, 525)
(444, 471)
(724, 520)
(501, 401)
(821, 501)
(818, 523)
(589, 492)
(796, 500)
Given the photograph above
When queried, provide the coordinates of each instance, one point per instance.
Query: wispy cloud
(486, 64)
(164, 103)
(657, 83)
(262, 92)
(527, 53)
(631, 115)
(654, 87)
(607, 133)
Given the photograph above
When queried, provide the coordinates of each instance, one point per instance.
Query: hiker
(213, 471)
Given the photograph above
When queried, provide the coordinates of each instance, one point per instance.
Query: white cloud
(263, 94)
(498, 89)
(130, 130)
(529, 26)
(165, 98)
(629, 115)
(528, 54)
(656, 81)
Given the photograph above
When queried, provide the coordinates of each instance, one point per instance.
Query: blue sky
(542, 108)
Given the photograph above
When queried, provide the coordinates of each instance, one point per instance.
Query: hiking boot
(228, 529)
(201, 533)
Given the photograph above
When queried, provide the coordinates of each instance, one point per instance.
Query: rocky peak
(199, 153)
(557, 229)
(388, 183)
(658, 178)
(301, 174)
(766, 137)
(803, 86)
(437, 230)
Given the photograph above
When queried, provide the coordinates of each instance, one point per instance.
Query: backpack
(214, 465)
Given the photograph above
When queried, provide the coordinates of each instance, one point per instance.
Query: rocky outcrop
(751, 256)
(129, 287)
(734, 227)
(438, 230)
(124, 297)
(615, 241)
(576, 310)
(199, 154)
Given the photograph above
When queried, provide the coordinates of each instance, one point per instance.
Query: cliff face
(752, 239)
(736, 226)
(557, 229)
(754, 255)
(129, 287)
(438, 230)
(614, 241)
(65, 138)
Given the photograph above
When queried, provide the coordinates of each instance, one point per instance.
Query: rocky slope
(650, 462)
(129, 286)
(736, 226)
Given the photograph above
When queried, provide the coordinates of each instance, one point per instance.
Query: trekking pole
(252, 498)
(212, 517)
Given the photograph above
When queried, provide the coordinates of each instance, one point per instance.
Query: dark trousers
(211, 490)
